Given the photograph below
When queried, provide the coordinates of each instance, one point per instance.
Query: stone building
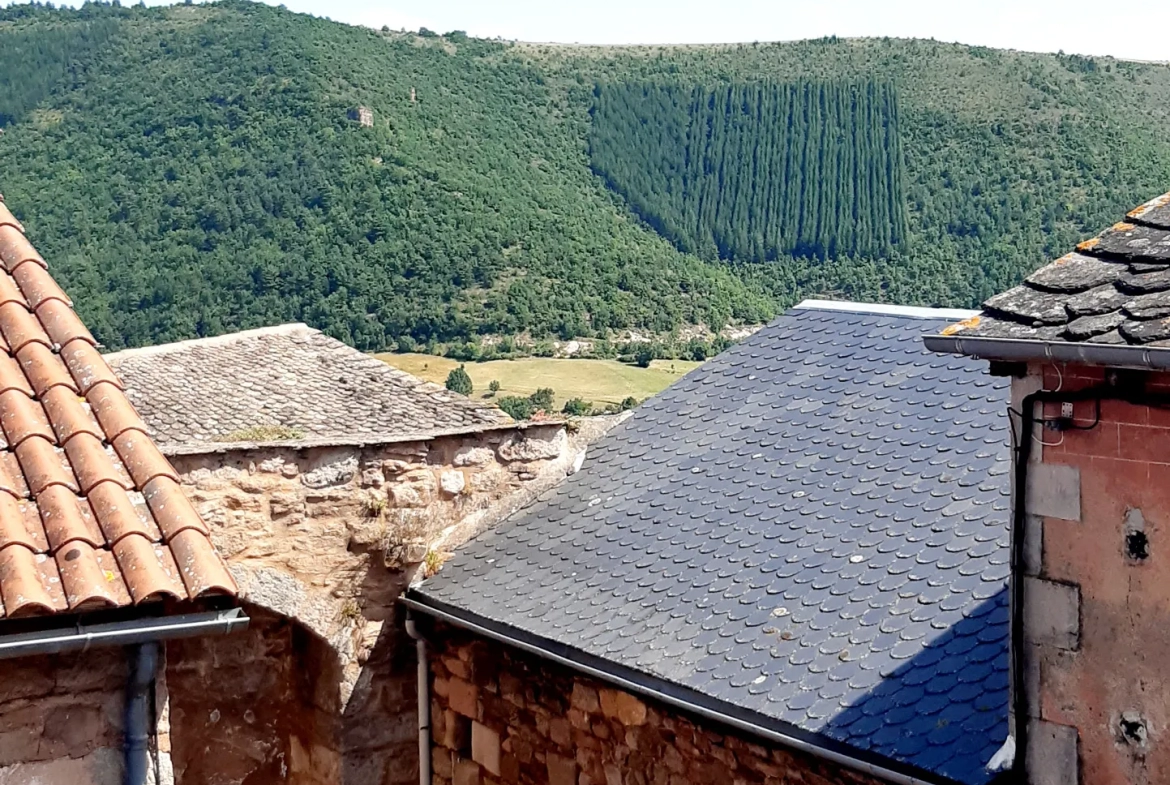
(328, 479)
(107, 572)
(1086, 344)
(790, 567)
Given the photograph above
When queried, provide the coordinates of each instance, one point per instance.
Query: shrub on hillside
(577, 407)
(458, 381)
(517, 408)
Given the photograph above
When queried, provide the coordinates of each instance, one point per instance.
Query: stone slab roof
(289, 385)
(91, 514)
(809, 534)
(1112, 291)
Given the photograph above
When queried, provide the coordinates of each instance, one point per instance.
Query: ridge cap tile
(60, 549)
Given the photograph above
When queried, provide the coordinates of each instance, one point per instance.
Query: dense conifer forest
(757, 171)
(195, 169)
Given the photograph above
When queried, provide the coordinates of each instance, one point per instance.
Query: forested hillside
(196, 169)
(757, 171)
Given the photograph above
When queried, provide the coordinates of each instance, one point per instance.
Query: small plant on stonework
(264, 433)
(458, 381)
(433, 561)
(374, 505)
(350, 610)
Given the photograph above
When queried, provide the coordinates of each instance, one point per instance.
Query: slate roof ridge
(887, 309)
(290, 328)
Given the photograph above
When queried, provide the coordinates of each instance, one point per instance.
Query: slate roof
(1113, 290)
(91, 514)
(286, 385)
(810, 530)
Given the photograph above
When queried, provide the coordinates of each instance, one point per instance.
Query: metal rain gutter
(122, 633)
(792, 742)
(1146, 358)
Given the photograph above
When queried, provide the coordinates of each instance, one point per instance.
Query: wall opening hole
(1133, 729)
(1137, 546)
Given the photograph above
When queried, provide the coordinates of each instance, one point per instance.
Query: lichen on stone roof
(286, 385)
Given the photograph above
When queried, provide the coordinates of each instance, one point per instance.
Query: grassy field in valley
(597, 381)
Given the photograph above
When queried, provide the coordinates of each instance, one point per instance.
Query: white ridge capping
(887, 309)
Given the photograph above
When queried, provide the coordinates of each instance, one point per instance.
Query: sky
(1074, 26)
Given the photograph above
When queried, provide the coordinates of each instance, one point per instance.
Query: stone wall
(328, 538)
(1096, 588)
(503, 717)
(61, 718)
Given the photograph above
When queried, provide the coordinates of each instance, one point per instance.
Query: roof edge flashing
(885, 309)
(645, 686)
(1145, 358)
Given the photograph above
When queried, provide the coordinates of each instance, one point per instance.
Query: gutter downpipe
(424, 701)
(142, 636)
(139, 705)
(847, 761)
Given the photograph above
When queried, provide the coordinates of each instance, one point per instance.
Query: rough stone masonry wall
(328, 538)
(61, 718)
(504, 717)
(1097, 589)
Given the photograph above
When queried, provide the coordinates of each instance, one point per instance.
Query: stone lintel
(1052, 754)
(1052, 613)
(1054, 491)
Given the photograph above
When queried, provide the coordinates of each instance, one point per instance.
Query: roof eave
(1146, 358)
(674, 695)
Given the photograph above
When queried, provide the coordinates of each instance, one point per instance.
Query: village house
(789, 567)
(328, 480)
(105, 566)
(1085, 342)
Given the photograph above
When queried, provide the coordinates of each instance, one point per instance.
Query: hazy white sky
(1138, 31)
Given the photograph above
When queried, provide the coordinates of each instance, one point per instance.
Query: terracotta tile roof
(1113, 290)
(91, 513)
(289, 385)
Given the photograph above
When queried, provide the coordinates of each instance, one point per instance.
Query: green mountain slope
(195, 169)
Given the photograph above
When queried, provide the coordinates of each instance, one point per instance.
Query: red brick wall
(503, 717)
(1100, 616)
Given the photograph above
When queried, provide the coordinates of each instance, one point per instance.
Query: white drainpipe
(424, 702)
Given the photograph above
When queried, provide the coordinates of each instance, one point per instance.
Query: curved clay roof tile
(37, 286)
(202, 570)
(86, 365)
(69, 415)
(43, 369)
(94, 464)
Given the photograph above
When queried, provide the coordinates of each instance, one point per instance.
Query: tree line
(757, 171)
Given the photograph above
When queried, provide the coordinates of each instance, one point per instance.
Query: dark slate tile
(1075, 273)
(1098, 300)
(1153, 213)
(1088, 326)
(1133, 241)
(1030, 306)
(1148, 306)
(1146, 332)
(811, 527)
(992, 327)
(1145, 283)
